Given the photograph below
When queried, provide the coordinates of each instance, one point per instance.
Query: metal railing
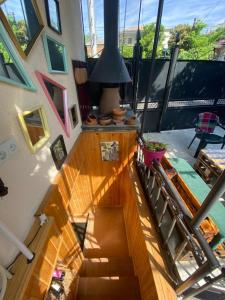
(180, 232)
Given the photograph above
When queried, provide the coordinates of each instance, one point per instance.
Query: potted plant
(153, 150)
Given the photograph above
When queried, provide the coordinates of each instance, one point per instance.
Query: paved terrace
(178, 141)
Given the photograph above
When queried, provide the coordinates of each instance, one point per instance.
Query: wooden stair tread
(105, 234)
(104, 287)
(107, 266)
(108, 297)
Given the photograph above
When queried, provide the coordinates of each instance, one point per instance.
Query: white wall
(28, 175)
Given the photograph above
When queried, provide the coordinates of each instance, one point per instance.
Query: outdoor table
(194, 190)
(210, 164)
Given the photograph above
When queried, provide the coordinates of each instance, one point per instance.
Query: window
(57, 97)
(129, 41)
(56, 56)
(11, 70)
(22, 20)
(53, 15)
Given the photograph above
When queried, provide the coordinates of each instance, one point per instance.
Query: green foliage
(5, 53)
(20, 31)
(155, 146)
(126, 51)
(195, 42)
(147, 38)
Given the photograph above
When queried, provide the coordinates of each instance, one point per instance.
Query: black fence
(198, 86)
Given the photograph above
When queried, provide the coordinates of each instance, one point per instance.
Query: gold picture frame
(35, 135)
(23, 53)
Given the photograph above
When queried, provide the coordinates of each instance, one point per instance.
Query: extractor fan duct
(110, 67)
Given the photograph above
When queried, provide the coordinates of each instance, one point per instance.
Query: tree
(147, 38)
(126, 51)
(195, 42)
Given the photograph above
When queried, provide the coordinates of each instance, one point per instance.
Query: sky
(212, 12)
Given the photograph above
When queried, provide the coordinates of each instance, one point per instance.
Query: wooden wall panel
(142, 241)
(98, 182)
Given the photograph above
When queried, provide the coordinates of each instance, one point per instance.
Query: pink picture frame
(65, 125)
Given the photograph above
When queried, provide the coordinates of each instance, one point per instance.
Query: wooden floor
(107, 271)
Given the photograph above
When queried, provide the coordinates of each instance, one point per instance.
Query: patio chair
(205, 126)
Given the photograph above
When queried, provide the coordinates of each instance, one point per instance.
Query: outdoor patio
(178, 141)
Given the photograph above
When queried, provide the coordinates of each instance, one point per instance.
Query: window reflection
(23, 20)
(34, 126)
(7, 67)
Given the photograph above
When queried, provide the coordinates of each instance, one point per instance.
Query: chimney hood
(110, 67)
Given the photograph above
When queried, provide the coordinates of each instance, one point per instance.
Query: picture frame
(43, 80)
(35, 127)
(50, 17)
(23, 52)
(109, 150)
(73, 115)
(26, 81)
(58, 151)
(56, 55)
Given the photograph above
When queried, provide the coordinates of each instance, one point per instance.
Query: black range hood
(110, 67)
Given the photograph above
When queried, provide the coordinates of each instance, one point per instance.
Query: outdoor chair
(205, 126)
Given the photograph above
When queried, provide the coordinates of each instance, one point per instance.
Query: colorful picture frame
(23, 52)
(73, 115)
(36, 131)
(58, 151)
(7, 44)
(42, 80)
(55, 63)
(55, 25)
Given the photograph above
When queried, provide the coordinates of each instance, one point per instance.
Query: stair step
(107, 266)
(106, 234)
(108, 288)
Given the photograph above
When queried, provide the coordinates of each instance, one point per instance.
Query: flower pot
(149, 156)
(91, 120)
(119, 111)
(105, 120)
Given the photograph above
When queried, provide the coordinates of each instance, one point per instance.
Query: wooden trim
(23, 271)
(143, 242)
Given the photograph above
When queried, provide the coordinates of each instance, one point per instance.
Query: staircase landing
(107, 271)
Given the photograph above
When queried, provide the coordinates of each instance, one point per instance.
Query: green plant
(155, 146)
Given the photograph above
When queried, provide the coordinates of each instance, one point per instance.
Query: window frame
(45, 38)
(58, 16)
(23, 53)
(10, 48)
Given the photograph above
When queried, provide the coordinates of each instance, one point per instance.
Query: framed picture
(59, 153)
(53, 15)
(73, 115)
(110, 150)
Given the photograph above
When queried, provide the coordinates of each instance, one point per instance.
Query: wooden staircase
(107, 271)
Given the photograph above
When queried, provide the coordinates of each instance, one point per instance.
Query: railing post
(169, 81)
(152, 66)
